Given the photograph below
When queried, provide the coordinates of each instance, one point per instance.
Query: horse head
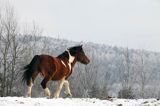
(78, 53)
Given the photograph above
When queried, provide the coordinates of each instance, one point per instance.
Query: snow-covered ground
(20, 101)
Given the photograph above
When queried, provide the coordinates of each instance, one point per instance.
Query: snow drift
(20, 101)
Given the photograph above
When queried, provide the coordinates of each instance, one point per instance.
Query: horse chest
(70, 66)
(66, 65)
(68, 70)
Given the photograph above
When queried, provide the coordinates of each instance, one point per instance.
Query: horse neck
(74, 62)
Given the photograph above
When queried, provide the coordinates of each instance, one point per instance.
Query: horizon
(125, 23)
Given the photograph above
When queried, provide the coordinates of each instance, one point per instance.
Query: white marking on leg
(29, 91)
(67, 89)
(47, 92)
(59, 88)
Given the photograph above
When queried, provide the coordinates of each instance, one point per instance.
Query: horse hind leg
(29, 88)
(44, 86)
(30, 84)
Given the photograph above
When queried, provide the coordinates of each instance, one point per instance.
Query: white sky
(132, 23)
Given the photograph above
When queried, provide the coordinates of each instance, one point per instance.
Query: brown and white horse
(54, 68)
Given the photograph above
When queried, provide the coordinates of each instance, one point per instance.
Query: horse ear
(81, 44)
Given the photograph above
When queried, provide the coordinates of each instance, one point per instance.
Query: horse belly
(58, 76)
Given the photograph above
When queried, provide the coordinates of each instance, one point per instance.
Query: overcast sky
(132, 23)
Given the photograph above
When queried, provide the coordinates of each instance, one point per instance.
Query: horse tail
(30, 69)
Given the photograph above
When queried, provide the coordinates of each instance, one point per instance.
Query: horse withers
(54, 68)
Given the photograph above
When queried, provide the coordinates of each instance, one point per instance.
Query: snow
(21, 101)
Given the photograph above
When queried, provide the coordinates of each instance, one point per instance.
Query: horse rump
(30, 69)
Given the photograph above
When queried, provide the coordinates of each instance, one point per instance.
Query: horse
(54, 68)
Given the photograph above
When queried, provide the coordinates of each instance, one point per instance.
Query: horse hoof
(68, 95)
(48, 97)
(55, 97)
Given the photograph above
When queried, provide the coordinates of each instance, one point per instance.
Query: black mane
(73, 50)
(63, 55)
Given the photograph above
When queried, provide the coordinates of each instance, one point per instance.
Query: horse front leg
(67, 88)
(59, 88)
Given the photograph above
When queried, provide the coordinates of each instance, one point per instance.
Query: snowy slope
(20, 101)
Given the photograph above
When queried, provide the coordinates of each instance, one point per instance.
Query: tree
(142, 73)
(11, 50)
(126, 78)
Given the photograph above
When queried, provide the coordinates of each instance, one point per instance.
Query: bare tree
(142, 73)
(127, 69)
(126, 78)
(145, 72)
(10, 50)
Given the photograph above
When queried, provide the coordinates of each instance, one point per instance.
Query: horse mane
(63, 55)
(73, 50)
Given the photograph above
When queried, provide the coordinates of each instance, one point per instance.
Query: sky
(124, 23)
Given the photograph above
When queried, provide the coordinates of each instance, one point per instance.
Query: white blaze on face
(71, 59)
